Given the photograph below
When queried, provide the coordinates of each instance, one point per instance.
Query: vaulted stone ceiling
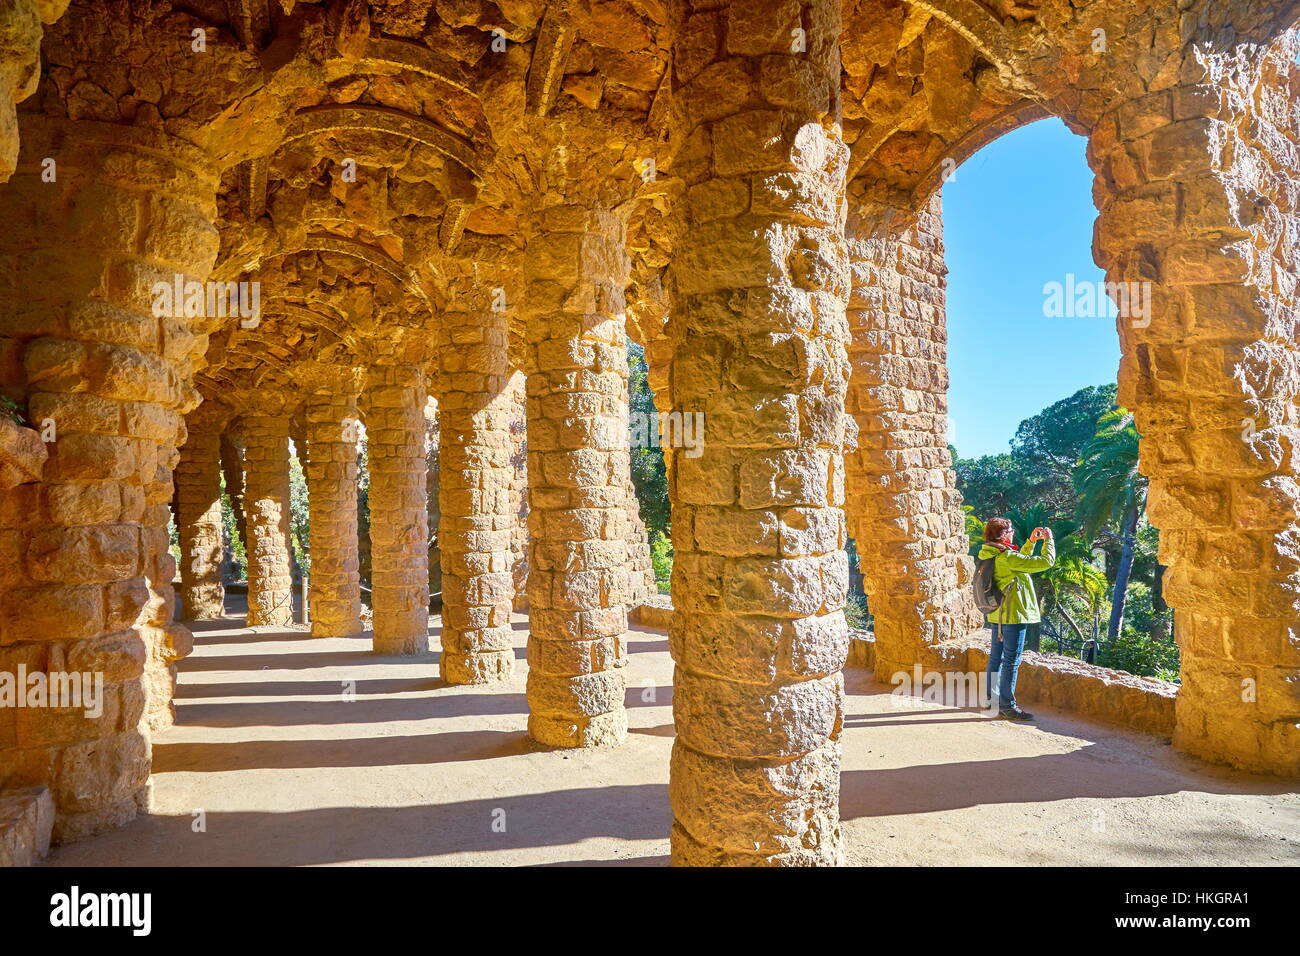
(403, 147)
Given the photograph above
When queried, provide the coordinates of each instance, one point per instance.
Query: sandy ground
(272, 763)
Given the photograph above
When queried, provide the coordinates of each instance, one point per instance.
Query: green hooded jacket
(1011, 571)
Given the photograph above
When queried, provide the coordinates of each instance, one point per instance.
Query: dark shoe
(1014, 713)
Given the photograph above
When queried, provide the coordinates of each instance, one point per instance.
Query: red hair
(996, 529)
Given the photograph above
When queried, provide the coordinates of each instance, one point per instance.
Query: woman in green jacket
(1011, 571)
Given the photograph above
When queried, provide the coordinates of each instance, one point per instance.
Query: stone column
(167, 642)
(575, 271)
(1195, 188)
(640, 569)
(519, 487)
(103, 368)
(333, 435)
(198, 518)
(760, 281)
(432, 486)
(474, 490)
(399, 520)
(904, 511)
(266, 516)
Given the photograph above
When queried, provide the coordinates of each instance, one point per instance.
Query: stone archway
(784, 119)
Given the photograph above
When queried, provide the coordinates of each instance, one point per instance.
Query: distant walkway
(285, 770)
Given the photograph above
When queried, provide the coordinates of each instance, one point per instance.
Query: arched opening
(1038, 435)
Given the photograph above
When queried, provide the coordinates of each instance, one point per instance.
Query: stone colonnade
(266, 518)
(776, 299)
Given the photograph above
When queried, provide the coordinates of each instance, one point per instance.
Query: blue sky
(1017, 215)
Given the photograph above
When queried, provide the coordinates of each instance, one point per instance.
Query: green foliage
(661, 559)
(11, 410)
(1040, 467)
(1073, 468)
(1050, 444)
(173, 536)
(649, 472)
(299, 516)
(992, 485)
(1106, 479)
(1135, 652)
(239, 559)
(856, 612)
(1143, 617)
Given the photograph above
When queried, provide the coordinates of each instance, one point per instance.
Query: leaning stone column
(266, 516)
(333, 435)
(904, 511)
(575, 271)
(474, 491)
(85, 577)
(198, 517)
(399, 520)
(759, 286)
(1196, 231)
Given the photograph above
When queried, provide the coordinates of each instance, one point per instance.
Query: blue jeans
(1008, 643)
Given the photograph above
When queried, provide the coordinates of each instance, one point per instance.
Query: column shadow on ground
(360, 710)
(408, 749)
(350, 834)
(1089, 772)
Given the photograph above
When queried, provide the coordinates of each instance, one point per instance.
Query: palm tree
(1112, 493)
(1073, 575)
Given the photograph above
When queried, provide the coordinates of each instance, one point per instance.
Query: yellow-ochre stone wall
(360, 213)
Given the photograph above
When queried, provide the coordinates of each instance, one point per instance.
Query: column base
(687, 851)
(344, 629)
(602, 730)
(1266, 748)
(483, 668)
(416, 642)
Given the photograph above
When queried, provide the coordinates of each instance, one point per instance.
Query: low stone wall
(1099, 693)
(656, 612)
(862, 649)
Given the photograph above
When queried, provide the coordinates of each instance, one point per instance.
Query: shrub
(661, 559)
